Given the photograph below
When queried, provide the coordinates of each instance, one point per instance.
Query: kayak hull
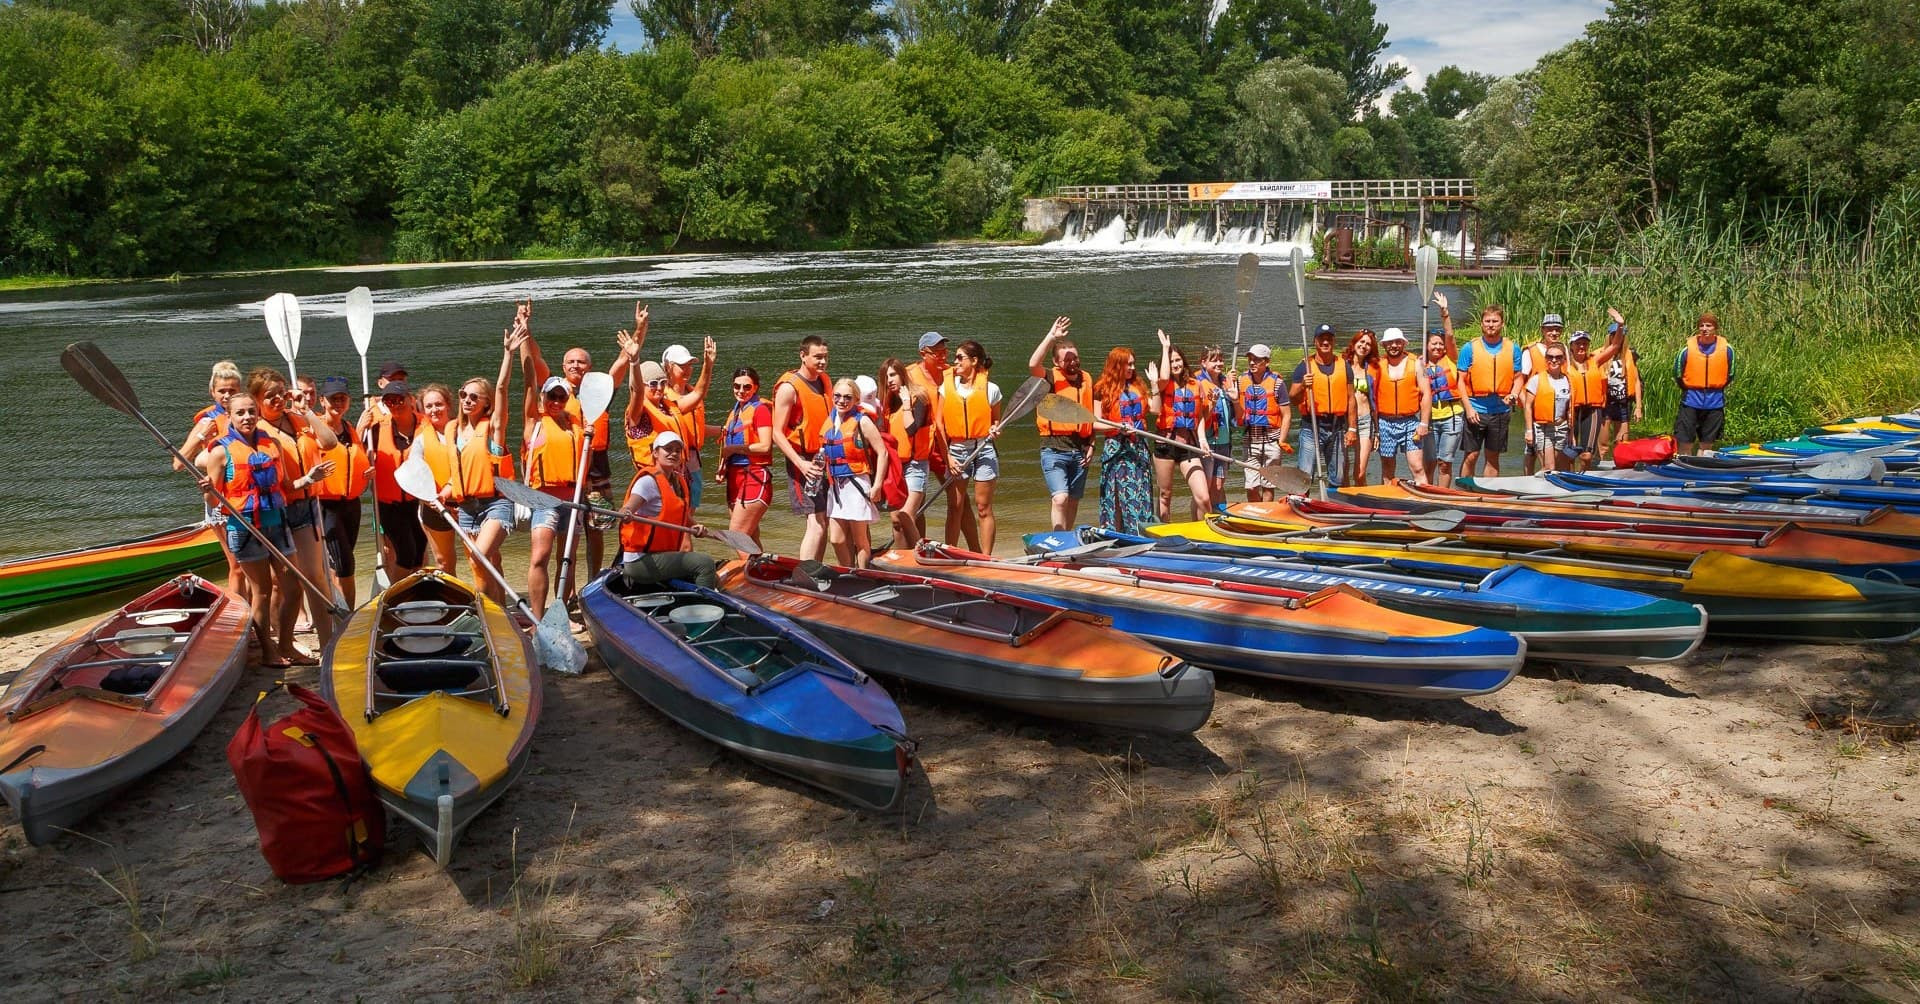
(92, 738)
(29, 582)
(1314, 643)
(1040, 660)
(816, 718)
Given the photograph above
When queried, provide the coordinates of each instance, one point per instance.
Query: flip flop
(299, 658)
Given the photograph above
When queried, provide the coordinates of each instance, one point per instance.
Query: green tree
(556, 29)
(1451, 90)
(1343, 36)
(698, 23)
(1289, 111)
(1073, 51)
(985, 27)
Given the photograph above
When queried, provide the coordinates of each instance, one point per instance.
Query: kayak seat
(133, 680)
(424, 676)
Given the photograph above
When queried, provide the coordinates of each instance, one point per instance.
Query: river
(73, 472)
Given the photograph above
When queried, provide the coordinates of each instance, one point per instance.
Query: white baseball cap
(867, 387)
(1259, 351)
(677, 355)
(668, 438)
(1392, 335)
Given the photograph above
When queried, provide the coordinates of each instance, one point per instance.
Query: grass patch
(15, 283)
(125, 883)
(536, 950)
(1810, 306)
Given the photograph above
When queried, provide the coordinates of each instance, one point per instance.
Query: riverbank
(1677, 831)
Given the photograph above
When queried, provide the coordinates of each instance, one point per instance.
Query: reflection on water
(72, 472)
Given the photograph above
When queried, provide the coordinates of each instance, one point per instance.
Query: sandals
(299, 658)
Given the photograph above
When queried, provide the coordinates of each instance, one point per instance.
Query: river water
(73, 472)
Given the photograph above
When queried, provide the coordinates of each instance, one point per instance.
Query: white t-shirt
(647, 491)
(966, 390)
(1560, 387)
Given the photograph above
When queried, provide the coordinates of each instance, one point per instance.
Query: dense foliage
(152, 136)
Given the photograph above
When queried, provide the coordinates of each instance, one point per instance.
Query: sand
(1734, 826)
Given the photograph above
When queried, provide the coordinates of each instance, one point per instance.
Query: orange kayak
(1035, 657)
(117, 699)
(1785, 544)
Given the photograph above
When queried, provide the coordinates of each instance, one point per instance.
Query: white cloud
(1500, 37)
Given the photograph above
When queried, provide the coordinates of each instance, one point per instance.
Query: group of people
(294, 468)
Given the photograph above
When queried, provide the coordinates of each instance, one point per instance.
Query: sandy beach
(1740, 825)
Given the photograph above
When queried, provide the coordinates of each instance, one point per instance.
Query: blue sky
(1490, 36)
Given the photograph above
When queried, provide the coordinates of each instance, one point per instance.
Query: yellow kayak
(443, 694)
(1743, 598)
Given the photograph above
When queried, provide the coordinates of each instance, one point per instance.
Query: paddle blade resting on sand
(553, 643)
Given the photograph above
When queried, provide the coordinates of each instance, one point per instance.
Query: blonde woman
(855, 467)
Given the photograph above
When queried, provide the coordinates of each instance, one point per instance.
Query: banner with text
(1228, 190)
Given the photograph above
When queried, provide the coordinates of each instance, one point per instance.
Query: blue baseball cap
(932, 339)
(329, 386)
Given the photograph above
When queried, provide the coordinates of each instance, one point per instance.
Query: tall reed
(1824, 317)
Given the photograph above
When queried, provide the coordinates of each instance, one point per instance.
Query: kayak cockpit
(432, 639)
(128, 657)
(751, 653)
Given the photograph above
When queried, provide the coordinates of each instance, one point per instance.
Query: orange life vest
(1331, 391)
(351, 469)
(1399, 396)
(1492, 371)
(474, 465)
(437, 451)
(640, 441)
(968, 416)
(841, 449)
(250, 479)
(690, 423)
(803, 429)
(388, 456)
(553, 457)
(1546, 397)
(1537, 353)
(293, 463)
(599, 424)
(918, 446)
(1265, 400)
(1589, 383)
(1082, 394)
(1703, 371)
(645, 538)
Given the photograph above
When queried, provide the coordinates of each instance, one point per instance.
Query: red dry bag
(1651, 450)
(311, 797)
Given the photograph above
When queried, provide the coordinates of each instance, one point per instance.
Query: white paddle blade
(276, 314)
(1426, 267)
(596, 392)
(1298, 259)
(292, 307)
(560, 656)
(416, 478)
(360, 317)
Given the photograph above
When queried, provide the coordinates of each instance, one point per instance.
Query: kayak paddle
(283, 327)
(540, 501)
(596, 392)
(1066, 411)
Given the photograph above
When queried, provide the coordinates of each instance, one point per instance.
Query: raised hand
(1060, 328)
(1440, 299)
(640, 320)
(1165, 342)
(708, 351)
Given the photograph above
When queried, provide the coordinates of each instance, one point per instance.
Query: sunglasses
(1556, 359)
(469, 396)
(656, 384)
(743, 386)
(556, 398)
(843, 397)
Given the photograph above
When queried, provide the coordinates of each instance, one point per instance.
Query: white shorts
(847, 499)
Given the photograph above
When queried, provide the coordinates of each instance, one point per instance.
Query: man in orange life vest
(1066, 451)
(1261, 403)
(1405, 404)
(650, 553)
(1490, 376)
(1322, 388)
(1704, 370)
(799, 419)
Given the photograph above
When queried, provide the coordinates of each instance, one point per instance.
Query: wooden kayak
(1561, 620)
(1743, 598)
(1882, 526)
(754, 682)
(117, 699)
(443, 695)
(1333, 637)
(1782, 544)
(1035, 657)
(27, 582)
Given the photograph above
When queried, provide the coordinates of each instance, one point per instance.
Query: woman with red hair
(1121, 403)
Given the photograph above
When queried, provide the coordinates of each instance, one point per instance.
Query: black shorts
(1621, 410)
(340, 519)
(432, 520)
(400, 523)
(600, 473)
(1489, 435)
(1164, 451)
(1699, 425)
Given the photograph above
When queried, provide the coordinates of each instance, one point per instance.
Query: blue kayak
(754, 682)
(1561, 620)
(1826, 493)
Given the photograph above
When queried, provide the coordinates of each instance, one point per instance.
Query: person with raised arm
(1624, 402)
(339, 491)
(553, 439)
(575, 364)
(689, 397)
(288, 416)
(800, 400)
(1185, 409)
(477, 454)
(1587, 369)
(1440, 444)
(1066, 451)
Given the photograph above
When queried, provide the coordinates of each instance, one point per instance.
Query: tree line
(151, 136)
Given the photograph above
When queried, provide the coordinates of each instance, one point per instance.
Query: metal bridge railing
(1368, 188)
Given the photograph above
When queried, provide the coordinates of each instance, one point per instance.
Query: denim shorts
(301, 515)
(247, 547)
(1216, 462)
(556, 519)
(974, 458)
(1442, 445)
(915, 472)
(474, 512)
(1065, 472)
(1396, 435)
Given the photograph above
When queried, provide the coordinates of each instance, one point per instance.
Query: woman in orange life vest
(479, 455)
(1547, 398)
(654, 554)
(1363, 359)
(436, 406)
(689, 397)
(746, 455)
(855, 463)
(1186, 408)
(1444, 420)
(553, 440)
(1587, 369)
(244, 468)
(392, 428)
(338, 493)
(909, 416)
(1121, 402)
(1223, 389)
(288, 415)
(209, 424)
(969, 411)
(650, 412)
